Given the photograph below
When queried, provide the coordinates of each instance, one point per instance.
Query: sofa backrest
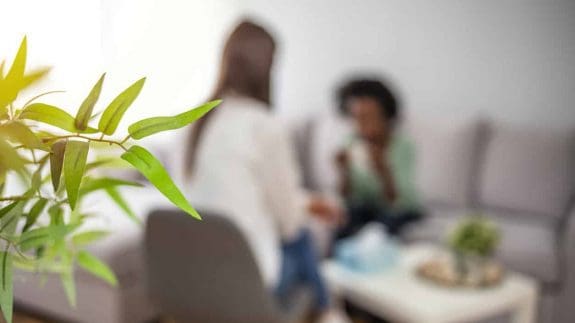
(447, 155)
(528, 170)
(466, 162)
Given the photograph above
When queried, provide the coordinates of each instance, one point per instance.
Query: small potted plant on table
(473, 243)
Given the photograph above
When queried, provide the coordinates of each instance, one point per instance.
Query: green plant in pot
(48, 151)
(473, 241)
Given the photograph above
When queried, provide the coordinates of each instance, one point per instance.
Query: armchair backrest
(204, 271)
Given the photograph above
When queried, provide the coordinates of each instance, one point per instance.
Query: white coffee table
(397, 294)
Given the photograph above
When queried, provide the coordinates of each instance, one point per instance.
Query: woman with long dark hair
(240, 162)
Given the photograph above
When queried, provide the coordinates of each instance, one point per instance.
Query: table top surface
(400, 294)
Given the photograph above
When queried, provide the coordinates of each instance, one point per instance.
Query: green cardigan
(366, 187)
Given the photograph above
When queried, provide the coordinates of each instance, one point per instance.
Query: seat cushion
(436, 224)
(446, 153)
(527, 244)
(45, 295)
(528, 170)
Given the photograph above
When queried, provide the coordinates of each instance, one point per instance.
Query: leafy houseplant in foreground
(47, 149)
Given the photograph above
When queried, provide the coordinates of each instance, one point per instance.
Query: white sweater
(246, 170)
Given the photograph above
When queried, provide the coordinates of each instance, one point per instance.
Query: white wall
(510, 59)
(64, 34)
(174, 43)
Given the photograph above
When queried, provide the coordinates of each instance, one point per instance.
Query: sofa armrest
(565, 309)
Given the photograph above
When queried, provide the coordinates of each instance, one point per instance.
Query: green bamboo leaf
(34, 213)
(85, 110)
(150, 126)
(9, 217)
(75, 157)
(67, 275)
(9, 87)
(56, 162)
(56, 214)
(26, 264)
(116, 109)
(31, 78)
(53, 116)
(19, 64)
(8, 208)
(84, 238)
(93, 184)
(67, 280)
(38, 237)
(36, 180)
(18, 132)
(6, 286)
(122, 204)
(10, 157)
(3, 109)
(153, 170)
(96, 267)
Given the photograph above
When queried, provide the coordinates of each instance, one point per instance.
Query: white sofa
(523, 178)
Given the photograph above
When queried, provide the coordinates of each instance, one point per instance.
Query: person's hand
(326, 210)
(342, 160)
(378, 155)
(380, 160)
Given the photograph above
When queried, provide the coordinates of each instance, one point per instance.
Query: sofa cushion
(446, 152)
(528, 170)
(527, 245)
(438, 221)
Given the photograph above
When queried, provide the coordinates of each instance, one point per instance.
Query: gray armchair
(205, 272)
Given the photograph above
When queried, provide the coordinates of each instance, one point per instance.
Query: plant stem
(24, 197)
(33, 156)
(112, 142)
(39, 96)
(18, 251)
(12, 198)
(8, 240)
(126, 139)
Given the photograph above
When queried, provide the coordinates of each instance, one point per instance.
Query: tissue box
(370, 250)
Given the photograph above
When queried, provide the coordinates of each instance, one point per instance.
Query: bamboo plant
(46, 148)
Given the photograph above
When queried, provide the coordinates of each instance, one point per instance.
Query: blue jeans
(300, 268)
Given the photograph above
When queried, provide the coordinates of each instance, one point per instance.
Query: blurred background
(488, 90)
(510, 59)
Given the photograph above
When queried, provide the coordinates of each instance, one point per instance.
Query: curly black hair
(371, 88)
